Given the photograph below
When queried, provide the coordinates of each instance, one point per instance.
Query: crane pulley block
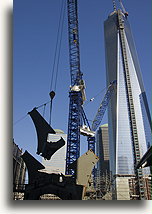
(52, 95)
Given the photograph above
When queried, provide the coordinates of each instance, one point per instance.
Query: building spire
(123, 8)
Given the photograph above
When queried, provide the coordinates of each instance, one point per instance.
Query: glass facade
(124, 159)
(102, 148)
(120, 130)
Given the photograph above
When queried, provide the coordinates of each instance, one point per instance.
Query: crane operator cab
(81, 87)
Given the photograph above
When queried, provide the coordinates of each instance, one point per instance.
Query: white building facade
(57, 162)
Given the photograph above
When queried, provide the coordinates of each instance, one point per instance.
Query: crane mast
(76, 93)
(74, 51)
(77, 96)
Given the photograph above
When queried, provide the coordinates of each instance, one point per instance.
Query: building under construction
(129, 118)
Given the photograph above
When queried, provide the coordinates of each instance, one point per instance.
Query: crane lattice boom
(103, 106)
(100, 113)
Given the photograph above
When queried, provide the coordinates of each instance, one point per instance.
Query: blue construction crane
(90, 132)
(77, 93)
(102, 108)
(77, 121)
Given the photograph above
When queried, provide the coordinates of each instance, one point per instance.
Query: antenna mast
(123, 8)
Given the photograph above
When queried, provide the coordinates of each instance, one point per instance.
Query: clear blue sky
(35, 31)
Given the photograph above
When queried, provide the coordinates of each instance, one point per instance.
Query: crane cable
(54, 75)
(93, 98)
(19, 120)
(55, 69)
(40, 106)
(57, 46)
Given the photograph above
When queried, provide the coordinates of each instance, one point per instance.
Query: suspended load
(45, 148)
(85, 130)
(51, 148)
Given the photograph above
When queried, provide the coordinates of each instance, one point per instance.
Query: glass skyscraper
(102, 147)
(129, 119)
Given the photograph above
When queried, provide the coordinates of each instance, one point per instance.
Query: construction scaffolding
(99, 187)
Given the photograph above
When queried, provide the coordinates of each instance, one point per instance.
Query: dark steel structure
(44, 148)
(40, 183)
